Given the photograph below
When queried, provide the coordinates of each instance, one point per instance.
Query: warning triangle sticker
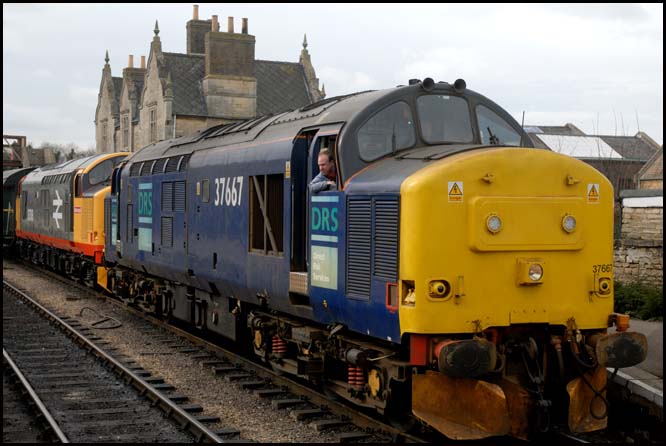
(455, 190)
(593, 193)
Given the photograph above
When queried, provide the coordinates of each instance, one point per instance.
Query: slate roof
(630, 147)
(281, 86)
(569, 129)
(187, 73)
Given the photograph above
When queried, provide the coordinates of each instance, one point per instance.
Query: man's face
(326, 166)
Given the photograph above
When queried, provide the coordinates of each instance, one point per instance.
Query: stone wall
(639, 253)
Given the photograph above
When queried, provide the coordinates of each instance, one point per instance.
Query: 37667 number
(228, 191)
(607, 268)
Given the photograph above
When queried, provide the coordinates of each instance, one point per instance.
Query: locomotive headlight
(569, 223)
(530, 271)
(494, 223)
(535, 272)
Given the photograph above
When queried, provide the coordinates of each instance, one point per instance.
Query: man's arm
(320, 183)
(319, 186)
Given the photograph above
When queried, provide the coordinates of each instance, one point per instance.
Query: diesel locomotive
(457, 276)
(60, 214)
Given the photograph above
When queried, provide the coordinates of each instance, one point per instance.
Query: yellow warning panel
(593, 193)
(455, 191)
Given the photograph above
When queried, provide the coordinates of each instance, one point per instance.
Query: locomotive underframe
(76, 266)
(530, 370)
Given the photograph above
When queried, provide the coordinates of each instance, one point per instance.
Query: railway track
(22, 421)
(280, 393)
(85, 394)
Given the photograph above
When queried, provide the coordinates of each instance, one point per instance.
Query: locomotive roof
(68, 167)
(336, 109)
(9, 176)
(350, 111)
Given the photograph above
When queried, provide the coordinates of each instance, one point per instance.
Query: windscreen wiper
(494, 140)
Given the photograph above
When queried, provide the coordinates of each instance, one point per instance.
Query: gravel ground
(236, 408)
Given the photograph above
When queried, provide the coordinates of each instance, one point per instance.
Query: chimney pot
(215, 26)
(230, 25)
(130, 62)
(143, 62)
(195, 12)
(244, 30)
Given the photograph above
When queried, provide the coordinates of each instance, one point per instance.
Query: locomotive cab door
(303, 169)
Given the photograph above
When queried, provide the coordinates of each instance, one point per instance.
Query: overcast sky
(598, 66)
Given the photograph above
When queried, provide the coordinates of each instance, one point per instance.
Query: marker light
(494, 223)
(535, 272)
(569, 223)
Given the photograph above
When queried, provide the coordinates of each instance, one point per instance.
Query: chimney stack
(196, 32)
(143, 62)
(215, 27)
(130, 62)
(230, 85)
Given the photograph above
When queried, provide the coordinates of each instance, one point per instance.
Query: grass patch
(639, 301)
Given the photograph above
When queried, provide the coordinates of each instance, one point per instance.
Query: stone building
(217, 81)
(651, 175)
(639, 252)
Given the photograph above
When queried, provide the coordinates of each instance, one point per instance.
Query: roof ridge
(277, 62)
(184, 55)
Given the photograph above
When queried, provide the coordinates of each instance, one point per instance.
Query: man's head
(326, 164)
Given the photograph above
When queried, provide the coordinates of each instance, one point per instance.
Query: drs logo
(324, 219)
(146, 203)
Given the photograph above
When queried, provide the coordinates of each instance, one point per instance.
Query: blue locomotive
(448, 276)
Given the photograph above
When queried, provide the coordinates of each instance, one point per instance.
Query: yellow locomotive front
(506, 291)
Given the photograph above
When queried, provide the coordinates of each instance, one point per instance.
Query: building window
(125, 126)
(105, 139)
(153, 125)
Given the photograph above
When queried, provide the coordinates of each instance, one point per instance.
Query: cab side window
(495, 130)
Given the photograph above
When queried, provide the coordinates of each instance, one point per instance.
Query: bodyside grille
(385, 259)
(359, 238)
(179, 196)
(167, 231)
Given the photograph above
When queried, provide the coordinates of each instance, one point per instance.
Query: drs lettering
(228, 191)
(146, 203)
(324, 219)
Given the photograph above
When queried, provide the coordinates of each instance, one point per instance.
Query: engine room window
(389, 130)
(444, 119)
(495, 130)
(266, 203)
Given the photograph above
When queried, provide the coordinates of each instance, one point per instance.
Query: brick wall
(639, 253)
